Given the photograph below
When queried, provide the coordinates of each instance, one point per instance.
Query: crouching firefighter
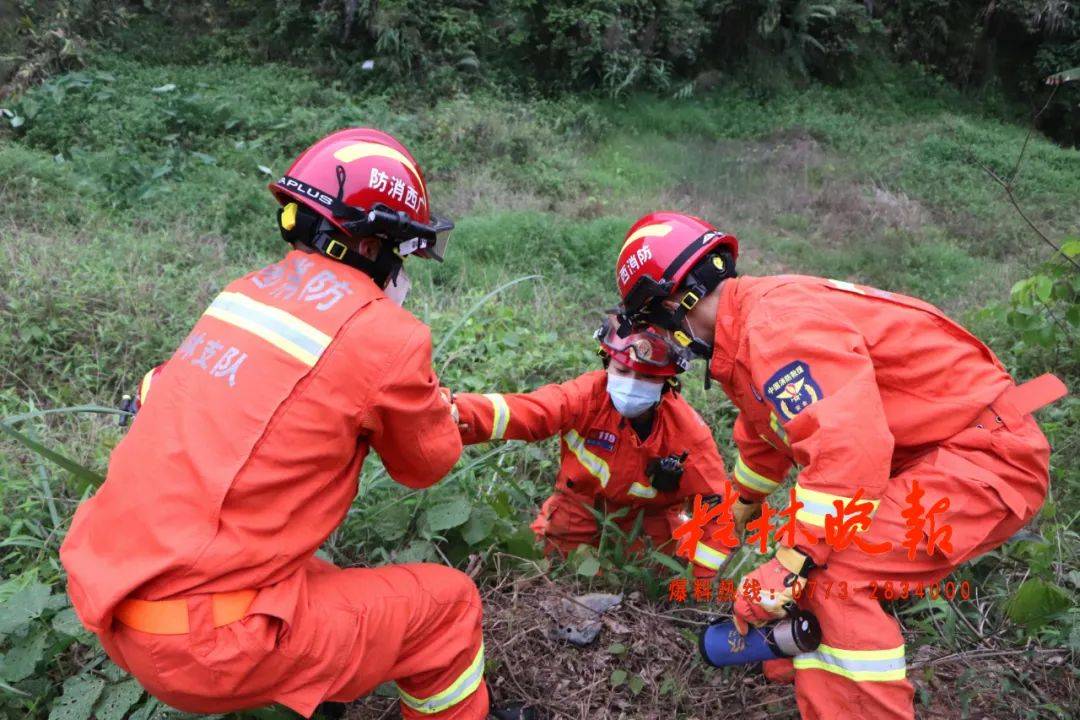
(883, 403)
(629, 441)
(195, 562)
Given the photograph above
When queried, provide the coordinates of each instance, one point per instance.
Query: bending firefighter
(882, 403)
(629, 441)
(195, 561)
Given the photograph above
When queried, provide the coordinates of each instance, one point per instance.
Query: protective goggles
(409, 236)
(642, 346)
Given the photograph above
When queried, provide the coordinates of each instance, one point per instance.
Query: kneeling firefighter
(629, 441)
(879, 400)
(195, 562)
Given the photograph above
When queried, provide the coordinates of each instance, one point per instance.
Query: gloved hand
(665, 472)
(744, 511)
(448, 397)
(778, 581)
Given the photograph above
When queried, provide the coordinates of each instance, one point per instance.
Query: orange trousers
(995, 480)
(566, 521)
(350, 630)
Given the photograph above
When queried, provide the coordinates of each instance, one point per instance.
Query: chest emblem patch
(601, 440)
(792, 389)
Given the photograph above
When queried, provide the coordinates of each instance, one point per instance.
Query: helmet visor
(642, 346)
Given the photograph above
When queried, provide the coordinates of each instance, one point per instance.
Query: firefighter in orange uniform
(628, 440)
(871, 395)
(195, 562)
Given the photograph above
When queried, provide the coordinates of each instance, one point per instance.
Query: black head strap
(300, 225)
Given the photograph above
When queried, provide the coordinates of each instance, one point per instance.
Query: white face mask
(398, 289)
(631, 396)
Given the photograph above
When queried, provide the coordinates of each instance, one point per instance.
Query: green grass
(132, 192)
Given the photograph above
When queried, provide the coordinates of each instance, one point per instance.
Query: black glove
(127, 404)
(665, 472)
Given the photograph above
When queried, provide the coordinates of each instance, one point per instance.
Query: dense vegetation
(999, 50)
(138, 140)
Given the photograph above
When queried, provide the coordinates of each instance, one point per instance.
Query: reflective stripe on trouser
(461, 688)
(857, 672)
(858, 665)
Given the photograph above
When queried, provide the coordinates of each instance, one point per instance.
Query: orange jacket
(601, 453)
(848, 382)
(246, 453)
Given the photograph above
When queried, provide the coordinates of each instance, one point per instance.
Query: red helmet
(363, 183)
(656, 262)
(643, 350)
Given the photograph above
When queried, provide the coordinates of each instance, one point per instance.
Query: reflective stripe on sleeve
(275, 326)
(144, 386)
(465, 685)
(595, 465)
(857, 665)
(817, 504)
(501, 418)
(642, 491)
(708, 557)
(753, 480)
(777, 428)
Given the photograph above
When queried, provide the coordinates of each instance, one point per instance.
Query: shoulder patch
(792, 389)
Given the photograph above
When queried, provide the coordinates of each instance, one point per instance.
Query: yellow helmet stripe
(657, 230)
(351, 153)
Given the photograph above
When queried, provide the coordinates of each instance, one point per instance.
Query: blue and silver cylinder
(722, 645)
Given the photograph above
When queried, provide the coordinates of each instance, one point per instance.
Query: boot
(329, 711)
(514, 711)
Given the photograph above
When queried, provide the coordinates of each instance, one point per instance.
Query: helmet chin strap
(298, 224)
(701, 281)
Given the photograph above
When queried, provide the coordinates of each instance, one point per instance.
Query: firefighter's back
(245, 455)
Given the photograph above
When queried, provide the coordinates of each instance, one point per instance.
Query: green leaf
(1071, 247)
(63, 461)
(66, 622)
(23, 606)
(166, 88)
(616, 649)
(118, 699)
(667, 561)
(20, 661)
(481, 523)
(416, 551)
(636, 684)
(1044, 286)
(589, 567)
(77, 702)
(448, 514)
(1036, 602)
(523, 544)
(392, 523)
(618, 677)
